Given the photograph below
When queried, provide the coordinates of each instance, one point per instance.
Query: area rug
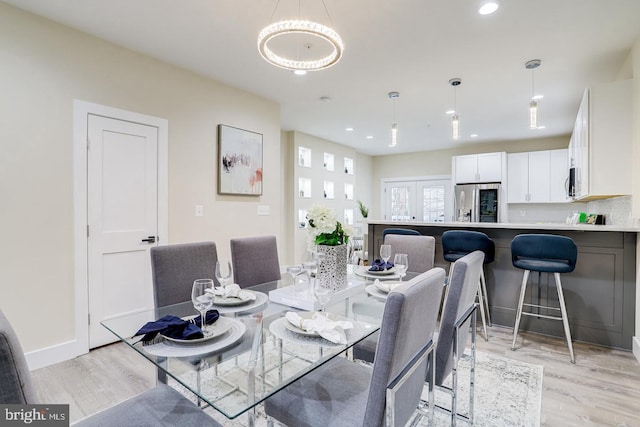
(507, 393)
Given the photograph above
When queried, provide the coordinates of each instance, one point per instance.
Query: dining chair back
(159, 406)
(458, 311)
(346, 393)
(255, 260)
(175, 267)
(420, 250)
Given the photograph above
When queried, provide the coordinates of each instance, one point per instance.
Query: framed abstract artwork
(239, 161)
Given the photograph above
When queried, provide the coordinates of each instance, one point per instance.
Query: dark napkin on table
(380, 265)
(175, 327)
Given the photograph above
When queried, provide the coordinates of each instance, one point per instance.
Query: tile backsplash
(617, 211)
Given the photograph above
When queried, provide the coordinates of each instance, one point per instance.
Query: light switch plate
(199, 210)
(264, 210)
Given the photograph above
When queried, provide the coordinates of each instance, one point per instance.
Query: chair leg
(482, 313)
(523, 288)
(565, 319)
(483, 283)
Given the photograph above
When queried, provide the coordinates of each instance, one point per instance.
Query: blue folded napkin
(380, 265)
(177, 328)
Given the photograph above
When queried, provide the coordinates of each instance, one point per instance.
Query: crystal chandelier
(305, 27)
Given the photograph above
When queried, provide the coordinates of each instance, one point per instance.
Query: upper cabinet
(601, 144)
(474, 168)
(537, 177)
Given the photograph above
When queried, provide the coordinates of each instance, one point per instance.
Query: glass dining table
(254, 351)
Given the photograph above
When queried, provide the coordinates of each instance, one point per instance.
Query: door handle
(150, 239)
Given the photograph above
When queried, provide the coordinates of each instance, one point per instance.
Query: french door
(424, 200)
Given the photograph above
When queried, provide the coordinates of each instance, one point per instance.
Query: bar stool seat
(459, 243)
(544, 253)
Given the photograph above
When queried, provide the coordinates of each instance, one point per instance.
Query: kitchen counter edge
(509, 225)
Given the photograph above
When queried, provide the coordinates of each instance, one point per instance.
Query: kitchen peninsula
(599, 293)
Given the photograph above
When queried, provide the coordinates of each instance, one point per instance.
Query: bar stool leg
(565, 319)
(523, 288)
(483, 283)
(482, 314)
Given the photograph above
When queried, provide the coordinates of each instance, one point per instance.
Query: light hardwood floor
(601, 389)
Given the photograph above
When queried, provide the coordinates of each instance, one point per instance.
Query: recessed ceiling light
(450, 112)
(349, 129)
(300, 72)
(541, 127)
(369, 137)
(487, 7)
(473, 135)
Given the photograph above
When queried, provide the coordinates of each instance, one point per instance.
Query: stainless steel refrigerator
(477, 202)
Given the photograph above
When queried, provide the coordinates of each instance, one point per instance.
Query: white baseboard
(636, 348)
(51, 355)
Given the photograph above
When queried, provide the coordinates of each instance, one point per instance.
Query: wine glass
(202, 298)
(401, 263)
(223, 274)
(385, 254)
(322, 294)
(294, 271)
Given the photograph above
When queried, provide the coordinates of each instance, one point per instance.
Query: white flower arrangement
(325, 229)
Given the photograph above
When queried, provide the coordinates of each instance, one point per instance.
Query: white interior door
(122, 211)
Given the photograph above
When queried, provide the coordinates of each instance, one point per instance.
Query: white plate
(364, 272)
(376, 293)
(308, 315)
(220, 327)
(166, 348)
(231, 301)
(387, 286)
(391, 270)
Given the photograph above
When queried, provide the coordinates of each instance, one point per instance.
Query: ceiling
(413, 47)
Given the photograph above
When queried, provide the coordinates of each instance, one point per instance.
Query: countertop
(511, 225)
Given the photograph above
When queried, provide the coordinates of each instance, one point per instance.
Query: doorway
(120, 175)
(421, 199)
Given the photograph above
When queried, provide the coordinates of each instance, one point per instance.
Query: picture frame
(240, 166)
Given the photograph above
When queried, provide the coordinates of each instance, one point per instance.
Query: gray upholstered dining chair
(420, 250)
(345, 393)
(175, 267)
(255, 260)
(160, 406)
(459, 310)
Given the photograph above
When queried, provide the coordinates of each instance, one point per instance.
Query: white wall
(315, 172)
(44, 67)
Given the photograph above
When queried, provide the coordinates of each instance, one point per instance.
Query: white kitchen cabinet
(537, 176)
(601, 144)
(474, 168)
(559, 176)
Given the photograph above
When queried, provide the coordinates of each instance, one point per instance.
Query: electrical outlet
(264, 210)
(199, 210)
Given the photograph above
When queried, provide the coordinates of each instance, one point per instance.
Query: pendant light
(294, 27)
(394, 126)
(533, 104)
(455, 119)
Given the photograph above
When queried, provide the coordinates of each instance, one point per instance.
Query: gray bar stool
(458, 243)
(549, 254)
